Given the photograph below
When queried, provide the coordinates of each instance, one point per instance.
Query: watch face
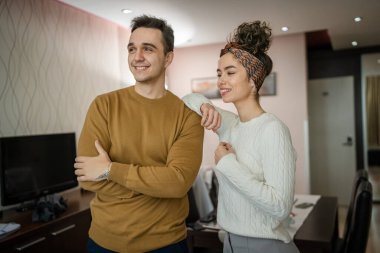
(104, 175)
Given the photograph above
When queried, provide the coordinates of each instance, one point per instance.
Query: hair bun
(254, 37)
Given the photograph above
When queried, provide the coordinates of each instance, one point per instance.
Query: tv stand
(23, 207)
(67, 233)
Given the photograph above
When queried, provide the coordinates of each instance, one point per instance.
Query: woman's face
(233, 82)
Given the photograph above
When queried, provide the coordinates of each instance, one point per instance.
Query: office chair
(193, 210)
(213, 193)
(360, 176)
(357, 235)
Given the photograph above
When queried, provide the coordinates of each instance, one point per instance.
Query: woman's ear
(253, 86)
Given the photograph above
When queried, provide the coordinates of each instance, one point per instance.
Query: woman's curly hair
(255, 38)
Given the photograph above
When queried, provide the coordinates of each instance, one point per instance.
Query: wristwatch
(105, 174)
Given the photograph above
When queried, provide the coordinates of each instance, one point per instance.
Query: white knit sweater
(256, 186)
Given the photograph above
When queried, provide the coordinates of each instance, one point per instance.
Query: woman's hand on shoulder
(211, 118)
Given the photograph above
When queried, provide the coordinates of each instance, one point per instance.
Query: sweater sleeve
(274, 195)
(182, 166)
(195, 100)
(95, 128)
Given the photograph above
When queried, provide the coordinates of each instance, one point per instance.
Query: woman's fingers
(210, 117)
(218, 123)
(205, 109)
(215, 124)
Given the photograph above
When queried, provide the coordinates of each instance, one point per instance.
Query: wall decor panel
(54, 60)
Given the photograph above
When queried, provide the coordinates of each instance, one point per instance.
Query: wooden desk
(316, 235)
(320, 229)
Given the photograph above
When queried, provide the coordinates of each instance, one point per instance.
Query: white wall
(290, 105)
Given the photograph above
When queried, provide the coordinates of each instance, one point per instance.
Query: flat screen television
(36, 165)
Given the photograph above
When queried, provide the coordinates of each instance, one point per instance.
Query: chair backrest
(357, 236)
(361, 175)
(214, 190)
(193, 215)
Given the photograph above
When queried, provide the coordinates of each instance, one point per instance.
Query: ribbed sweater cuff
(226, 162)
(119, 173)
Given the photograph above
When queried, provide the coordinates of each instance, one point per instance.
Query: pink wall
(290, 105)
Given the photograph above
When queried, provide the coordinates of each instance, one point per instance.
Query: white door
(332, 132)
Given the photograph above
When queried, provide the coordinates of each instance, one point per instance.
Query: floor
(373, 245)
(374, 178)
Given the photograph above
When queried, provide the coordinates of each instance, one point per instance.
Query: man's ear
(169, 58)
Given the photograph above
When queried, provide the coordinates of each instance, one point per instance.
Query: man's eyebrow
(150, 44)
(144, 44)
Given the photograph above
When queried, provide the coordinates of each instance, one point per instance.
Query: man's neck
(150, 91)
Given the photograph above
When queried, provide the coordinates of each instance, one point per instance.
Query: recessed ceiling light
(357, 19)
(284, 28)
(126, 11)
(354, 43)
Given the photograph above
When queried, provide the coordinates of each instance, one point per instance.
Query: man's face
(146, 57)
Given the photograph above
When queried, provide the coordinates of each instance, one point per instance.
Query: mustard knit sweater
(156, 150)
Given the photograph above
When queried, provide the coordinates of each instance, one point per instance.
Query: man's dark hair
(160, 24)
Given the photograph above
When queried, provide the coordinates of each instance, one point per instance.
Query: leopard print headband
(254, 67)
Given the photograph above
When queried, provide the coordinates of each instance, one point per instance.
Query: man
(152, 153)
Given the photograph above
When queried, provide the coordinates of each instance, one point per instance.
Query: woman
(255, 160)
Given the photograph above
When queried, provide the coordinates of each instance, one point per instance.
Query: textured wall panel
(54, 60)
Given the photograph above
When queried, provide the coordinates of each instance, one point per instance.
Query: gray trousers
(242, 244)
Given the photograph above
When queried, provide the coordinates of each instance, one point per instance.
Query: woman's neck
(248, 110)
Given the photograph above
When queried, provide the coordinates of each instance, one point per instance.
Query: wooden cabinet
(67, 233)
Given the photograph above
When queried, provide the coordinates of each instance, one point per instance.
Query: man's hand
(223, 149)
(93, 168)
(211, 118)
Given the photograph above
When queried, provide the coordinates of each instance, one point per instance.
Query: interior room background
(54, 60)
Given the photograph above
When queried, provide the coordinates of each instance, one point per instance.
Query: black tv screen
(36, 165)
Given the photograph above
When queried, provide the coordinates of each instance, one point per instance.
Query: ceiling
(200, 22)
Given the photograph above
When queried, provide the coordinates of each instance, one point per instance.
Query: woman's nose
(220, 81)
